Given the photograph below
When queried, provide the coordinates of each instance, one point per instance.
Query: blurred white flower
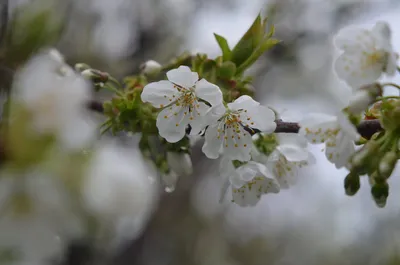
(30, 239)
(37, 217)
(290, 155)
(117, 183)
(335, 131)
(180, 163)
(56, 98)
(228, 134)
(180, 97)
(249, 182)
(366, 54)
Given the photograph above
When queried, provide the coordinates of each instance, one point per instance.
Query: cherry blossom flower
(228, 134)
(366, 54)
(56, 98)
(185, 100)
(249, 182)
(336, 132)
(290, 155)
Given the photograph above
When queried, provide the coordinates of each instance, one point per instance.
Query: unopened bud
(95, 75)
(380, 193)
(227, 70)
(364, 97)
(180, 163)
(362, 155)
(80, 67)
(387, 164)
(351, 184)
(151, 68)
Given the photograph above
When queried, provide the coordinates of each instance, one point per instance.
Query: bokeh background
(311, 223)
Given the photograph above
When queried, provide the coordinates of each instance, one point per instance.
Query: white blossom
(180, 163)
(249, 182)
(366, 54)
(228, 134)
(290, 155)
(337, 132)
(117, 183)
(31, 239)
(37, 219)
(181, 98)
(56, 99)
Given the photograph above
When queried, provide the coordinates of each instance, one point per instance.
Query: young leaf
(223, 44)
(248, 43)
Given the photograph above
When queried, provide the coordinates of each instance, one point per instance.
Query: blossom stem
(391, 84)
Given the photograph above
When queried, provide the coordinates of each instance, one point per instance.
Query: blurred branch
(3, 19)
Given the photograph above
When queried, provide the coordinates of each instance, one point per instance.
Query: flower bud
(351, 184)
(227, 70)
(363, 97)
(180, 163)
(95, 75)
(387, 164)
(80, 67)
(359, 158)
(380, 193)
(151, 68)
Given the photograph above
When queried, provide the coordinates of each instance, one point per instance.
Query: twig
(366, 128)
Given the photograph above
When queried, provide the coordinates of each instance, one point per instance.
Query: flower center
(376, 57)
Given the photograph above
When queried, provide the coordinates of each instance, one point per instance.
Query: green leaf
(248, 43)
(265, 46)
(223, 44)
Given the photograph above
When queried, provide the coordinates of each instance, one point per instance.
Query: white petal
(243, 102)
(171, 123)
(180, 163)
(291, 139)
(213, 141)
(237, 144)
(242, 175)
(198, 119)
(293, 153)
(339, 150)
(259, 117)
(160, 94)
(352, 39)
(318, 127)
(183, 76)
(360, 101)
(391, 65)
(381, 30)
(257, 156)
(251, 193)
(357, 69)
(208, 92)
(285, 172)
(347, 127)
(311, 159)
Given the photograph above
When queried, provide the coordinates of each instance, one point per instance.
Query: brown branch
(366, 128)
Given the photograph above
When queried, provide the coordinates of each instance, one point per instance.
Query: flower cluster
(255, 159)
